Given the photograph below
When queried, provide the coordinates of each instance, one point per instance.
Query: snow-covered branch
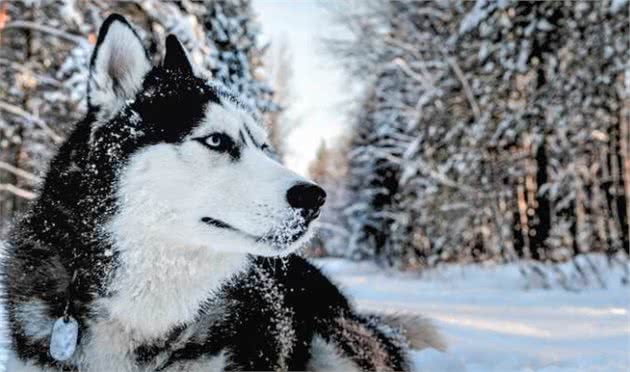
(19, 172)
(16, 110)
(45, 29)
(24, 194)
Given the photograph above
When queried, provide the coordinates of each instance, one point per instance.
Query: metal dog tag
(63, 340)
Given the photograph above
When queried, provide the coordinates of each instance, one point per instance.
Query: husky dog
(164, 229)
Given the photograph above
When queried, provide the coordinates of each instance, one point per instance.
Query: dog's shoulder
(366, 342)
(267, 317)
(312, 290)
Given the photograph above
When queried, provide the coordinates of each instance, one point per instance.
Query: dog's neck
(158, 286)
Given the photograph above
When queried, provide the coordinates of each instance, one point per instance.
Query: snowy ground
(492, 323)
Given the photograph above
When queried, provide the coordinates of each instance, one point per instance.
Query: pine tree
(235, 57)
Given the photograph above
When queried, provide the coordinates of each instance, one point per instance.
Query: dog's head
(196, 170)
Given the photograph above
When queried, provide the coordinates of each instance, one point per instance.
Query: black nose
(306, 196)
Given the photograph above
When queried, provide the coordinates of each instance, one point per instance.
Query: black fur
(251, 137)
(175, 57)
(57, 252)
(227, 145)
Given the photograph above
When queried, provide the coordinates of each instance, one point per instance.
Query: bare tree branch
(18, 67)
(19, 172)
(425, 79)
(467, 91)
(15, 110)
(25, 194)
(46, 29)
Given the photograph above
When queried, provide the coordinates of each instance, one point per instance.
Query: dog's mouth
(220, 224)
(280, 237)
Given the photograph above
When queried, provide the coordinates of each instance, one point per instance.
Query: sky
(319, 90)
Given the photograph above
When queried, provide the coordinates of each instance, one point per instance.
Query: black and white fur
(166, 228)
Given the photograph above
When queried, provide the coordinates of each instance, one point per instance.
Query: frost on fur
(290, 229)
(284, 331)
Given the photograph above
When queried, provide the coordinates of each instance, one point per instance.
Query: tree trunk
(623, 202)
(540, 225)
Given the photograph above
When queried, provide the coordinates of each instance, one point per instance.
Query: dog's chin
(284, 245)
(282, 240)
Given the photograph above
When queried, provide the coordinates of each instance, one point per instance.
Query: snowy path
(492, 324)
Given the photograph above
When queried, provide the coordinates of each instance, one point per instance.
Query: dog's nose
(306, 196)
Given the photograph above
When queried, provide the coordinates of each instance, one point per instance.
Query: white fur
(121, 59)
(16, 365)
(325, 357)
(32, 316)
(160, 283)
(109, 347)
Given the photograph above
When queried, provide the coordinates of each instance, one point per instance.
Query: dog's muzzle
(304, 198)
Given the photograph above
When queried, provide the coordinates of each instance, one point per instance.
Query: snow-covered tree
(499, 125)
(278, 65)
(329, 169)
(235, 57)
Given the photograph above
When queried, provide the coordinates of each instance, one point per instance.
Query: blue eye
(214, 141)
(217, 142)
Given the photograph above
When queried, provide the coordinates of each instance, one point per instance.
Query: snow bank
(492, 322)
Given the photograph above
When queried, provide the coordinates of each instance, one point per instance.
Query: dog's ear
(117, 68)
(176, 58)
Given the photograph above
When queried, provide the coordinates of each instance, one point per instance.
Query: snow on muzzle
(305, 201)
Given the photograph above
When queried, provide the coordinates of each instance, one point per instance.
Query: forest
(488, 131)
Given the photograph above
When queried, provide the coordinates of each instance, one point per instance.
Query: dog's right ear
(117, 68)
(176, 58)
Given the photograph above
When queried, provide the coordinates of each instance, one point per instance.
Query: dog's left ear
(176, 58)
(118, 66)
